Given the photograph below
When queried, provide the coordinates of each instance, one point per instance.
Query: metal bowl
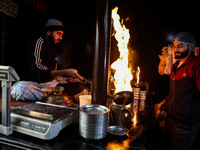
(120, 97)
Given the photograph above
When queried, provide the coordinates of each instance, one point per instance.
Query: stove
(42, 120)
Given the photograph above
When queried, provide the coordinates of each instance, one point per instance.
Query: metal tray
(117, 130)
(44, 111)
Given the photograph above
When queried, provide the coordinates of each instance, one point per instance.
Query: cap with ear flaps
(54, 25)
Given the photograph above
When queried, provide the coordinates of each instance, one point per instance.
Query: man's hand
(161, 104)
(72, 73)
(66, 72)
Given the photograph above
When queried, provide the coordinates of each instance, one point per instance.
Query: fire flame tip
(138, 75)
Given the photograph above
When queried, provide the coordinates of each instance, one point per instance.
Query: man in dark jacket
(41, 67)
(41, 55)
(183, 102)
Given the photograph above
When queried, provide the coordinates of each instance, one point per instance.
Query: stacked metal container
(93, 121)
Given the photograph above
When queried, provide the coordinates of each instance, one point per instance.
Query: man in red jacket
(183, 102)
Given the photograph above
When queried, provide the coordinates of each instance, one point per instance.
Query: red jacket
(184, 98)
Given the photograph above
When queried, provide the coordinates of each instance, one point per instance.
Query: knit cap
(54, 25)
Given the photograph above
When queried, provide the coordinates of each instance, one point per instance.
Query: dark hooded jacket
(40, 60)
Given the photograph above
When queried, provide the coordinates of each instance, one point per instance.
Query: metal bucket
(93, 121)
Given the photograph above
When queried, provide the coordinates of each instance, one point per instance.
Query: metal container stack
(93, 121)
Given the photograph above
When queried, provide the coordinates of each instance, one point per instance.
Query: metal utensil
(125, 100)
(84, 79)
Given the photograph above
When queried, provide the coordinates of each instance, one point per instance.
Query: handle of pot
(110, 96)
(130, 114)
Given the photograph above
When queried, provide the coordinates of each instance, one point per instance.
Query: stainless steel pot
(93, 121)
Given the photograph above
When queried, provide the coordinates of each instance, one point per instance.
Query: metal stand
(5, 127)
(7, 75)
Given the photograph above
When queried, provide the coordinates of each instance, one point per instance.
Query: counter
(69, 138)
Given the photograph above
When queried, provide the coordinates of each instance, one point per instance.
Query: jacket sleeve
(39, 72)
(197, 75)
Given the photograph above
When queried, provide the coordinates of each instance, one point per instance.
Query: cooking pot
(58, 98)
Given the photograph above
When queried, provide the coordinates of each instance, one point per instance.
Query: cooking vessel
(120, 97)
(56, 96)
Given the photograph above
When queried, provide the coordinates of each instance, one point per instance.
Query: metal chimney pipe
(101, 60)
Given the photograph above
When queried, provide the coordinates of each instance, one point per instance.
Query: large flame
(122, 74)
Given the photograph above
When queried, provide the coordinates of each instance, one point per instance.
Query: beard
(52, 40)
(179, 55)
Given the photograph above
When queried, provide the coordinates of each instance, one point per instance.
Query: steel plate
(117, 130)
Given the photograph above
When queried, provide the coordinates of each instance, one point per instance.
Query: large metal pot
(93, 121)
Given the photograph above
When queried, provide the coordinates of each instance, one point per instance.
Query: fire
(138, 75)
(114, 145)
(122, 74)
(134, 120)
(118, 145)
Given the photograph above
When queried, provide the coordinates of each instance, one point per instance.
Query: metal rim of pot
(106, 109)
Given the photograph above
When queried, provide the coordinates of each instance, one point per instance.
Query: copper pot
(56, 96)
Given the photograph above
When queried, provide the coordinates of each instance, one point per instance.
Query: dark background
(150, 24)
